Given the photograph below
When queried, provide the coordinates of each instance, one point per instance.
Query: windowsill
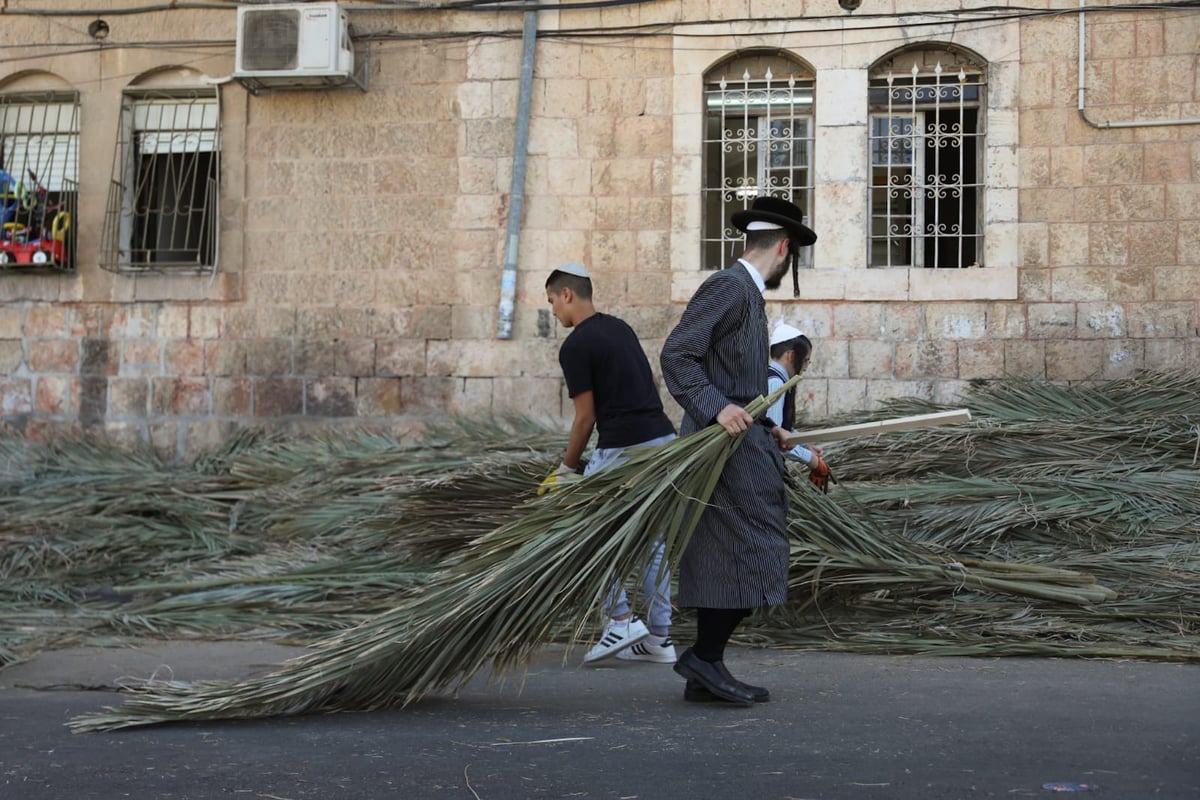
(899, 285)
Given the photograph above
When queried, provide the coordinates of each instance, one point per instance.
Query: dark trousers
(714, 626)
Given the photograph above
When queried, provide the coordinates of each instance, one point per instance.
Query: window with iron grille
(926, 141)
(758, 140)
(163, 200)
(39, 180)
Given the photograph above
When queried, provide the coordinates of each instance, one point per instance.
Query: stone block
(378, 397)
(847, 395)
(164, 438)
(830, 359)
(1153, 243)
(857, 320)
(422, 393)
(1169, 354)
(539, 359)
(1108, 244)
(140, 357)
(184, 357)
(53, 355)
(473, 359)
(225, 357)
(329, 397)
(11, 356)
(540, 396)
(1074, 360)
(1123, 358)
(52, 395)
(276, 322)
(1132, 283)
(173, 322)
(1138, 203)
(870, 359)
(400, 357)
(1160, 320)
(1051, 320)
(1068, 244)
(1047, 204)
(883, 391)
(956, 320)
(11, 326)
(47, 322)
(354, 358)
(233, 397)
(980, 360)
(278, 397)
(180, 397)
(127, 435)
(204, 322)
(16, 397)
(1177, 283)
(1100, 320)
(133, 321)
(926, 359)
(50, 430)
(204, 436)
(128, 397)
(475, 397)
(268, 357)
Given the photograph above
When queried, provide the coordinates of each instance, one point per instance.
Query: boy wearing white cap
(790, 352)
(609, 379)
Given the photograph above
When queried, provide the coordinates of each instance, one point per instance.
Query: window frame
(946, 213)
(47, 191)
(164, 162)
(727, 151)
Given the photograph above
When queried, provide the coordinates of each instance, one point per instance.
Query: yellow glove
(551, 481)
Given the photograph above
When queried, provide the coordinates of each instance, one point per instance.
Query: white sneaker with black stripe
(618, 634)
(644, 651)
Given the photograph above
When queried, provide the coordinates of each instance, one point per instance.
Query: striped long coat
(716, 355)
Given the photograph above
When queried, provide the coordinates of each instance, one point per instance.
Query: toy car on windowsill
(17, 248)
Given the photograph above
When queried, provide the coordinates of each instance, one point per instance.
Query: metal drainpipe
(1149, 123)
(516, 194)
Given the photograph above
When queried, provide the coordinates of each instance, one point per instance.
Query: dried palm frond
(504, 595)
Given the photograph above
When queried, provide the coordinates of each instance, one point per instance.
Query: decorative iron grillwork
(162, 207)
(39, 181)
(926, 141)
(758, 139)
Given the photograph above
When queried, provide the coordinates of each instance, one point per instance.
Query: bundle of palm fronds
(501, 597)
(1006, 535)
(1094, 485)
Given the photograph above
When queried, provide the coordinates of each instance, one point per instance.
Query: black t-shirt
(603, 355)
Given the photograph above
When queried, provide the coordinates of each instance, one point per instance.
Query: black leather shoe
(710, 677)
(695, 693)
(759, 693)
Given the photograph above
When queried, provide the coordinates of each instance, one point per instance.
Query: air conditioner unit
(293, 45)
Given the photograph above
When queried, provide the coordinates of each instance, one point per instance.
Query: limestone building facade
(998, 190)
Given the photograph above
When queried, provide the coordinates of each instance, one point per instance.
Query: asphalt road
(838, 726)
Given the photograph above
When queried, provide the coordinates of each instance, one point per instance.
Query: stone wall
(362, 234)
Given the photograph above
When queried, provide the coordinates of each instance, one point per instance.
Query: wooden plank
(880, 426)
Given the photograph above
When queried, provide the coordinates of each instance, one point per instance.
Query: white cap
(784, 333)
(574, 268)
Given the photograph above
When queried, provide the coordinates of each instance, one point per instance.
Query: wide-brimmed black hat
(776, 211)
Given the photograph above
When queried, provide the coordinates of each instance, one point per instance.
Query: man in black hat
(715, 362)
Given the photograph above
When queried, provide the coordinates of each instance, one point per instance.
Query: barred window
(926, 140)
(39, 180)
(758, 140)
(162, 204)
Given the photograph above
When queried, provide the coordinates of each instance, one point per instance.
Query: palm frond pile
(1060, 521)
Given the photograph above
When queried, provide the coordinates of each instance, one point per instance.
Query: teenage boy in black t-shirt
(609, 379)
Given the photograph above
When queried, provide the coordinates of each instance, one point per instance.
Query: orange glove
(820, 475)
